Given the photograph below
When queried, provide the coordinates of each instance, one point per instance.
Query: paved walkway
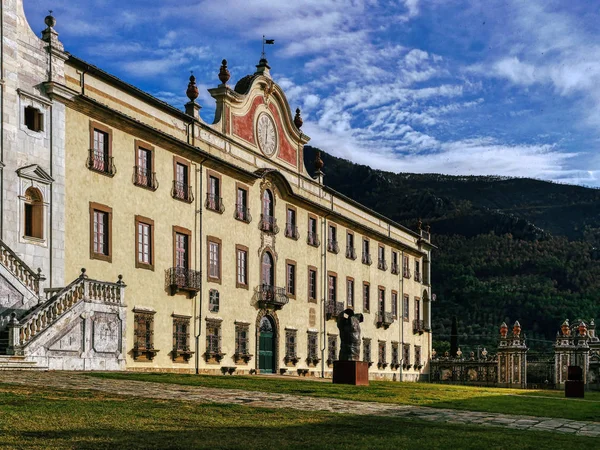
(71, 380)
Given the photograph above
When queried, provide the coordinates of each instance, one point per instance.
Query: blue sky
(448, 86)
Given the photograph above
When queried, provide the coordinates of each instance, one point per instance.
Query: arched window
(34, 214)
(267, 269)
(267, 203)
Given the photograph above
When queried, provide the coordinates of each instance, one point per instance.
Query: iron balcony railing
(272, 296)
(242, 213)
(144, 178)
(99, 161)
(395, 268)
(332, 246)
(214, 203)
(333, 309)
(291, 231)
(183, 279)
(366, 259)
(418, 326)
(406, 273)
(385, 319)
(268, 224)
(182, 191)
(382, 264)
(313, 239)
(351, 253)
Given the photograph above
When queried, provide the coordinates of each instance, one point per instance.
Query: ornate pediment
(36, 173)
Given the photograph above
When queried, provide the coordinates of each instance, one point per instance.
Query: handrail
(20, 269)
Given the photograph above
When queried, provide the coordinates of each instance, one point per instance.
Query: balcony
(385, 319)
(183, 279)
(214, 203)
(406, 273)
(332, 246)
(333, 309)
(351, 253)
(291, 231)
(418, 327)
(182, 191)
(382, 264)
(268, 224)
(242, 213)
(313, 239)
(366, 259)
(418, 278)
(99, 161)
(395, 269)
(144, 178)
(271, 297)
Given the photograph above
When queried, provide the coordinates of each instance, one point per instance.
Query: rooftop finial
(50, 21)
(298, 119)
(224, 74)
(192, 90)
(318, 162)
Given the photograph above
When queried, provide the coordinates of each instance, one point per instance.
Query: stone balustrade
(20, 270)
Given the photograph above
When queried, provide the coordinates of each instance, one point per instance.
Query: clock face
(267, 137)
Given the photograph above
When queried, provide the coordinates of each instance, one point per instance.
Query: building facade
(207, 247)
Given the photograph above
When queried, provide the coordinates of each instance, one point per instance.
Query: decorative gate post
(512, 357)
(572, 349)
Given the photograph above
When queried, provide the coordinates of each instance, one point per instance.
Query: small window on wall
(34, 119)
(34, 214)
(213, 300)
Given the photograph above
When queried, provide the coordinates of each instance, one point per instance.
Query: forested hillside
(508, 248)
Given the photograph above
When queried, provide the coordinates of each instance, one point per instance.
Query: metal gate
(540, 370)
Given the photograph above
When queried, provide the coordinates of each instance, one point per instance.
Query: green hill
(508, 248)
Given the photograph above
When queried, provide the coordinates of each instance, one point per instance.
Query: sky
(460, 87)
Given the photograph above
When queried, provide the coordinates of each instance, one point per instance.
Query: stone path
(78, 381)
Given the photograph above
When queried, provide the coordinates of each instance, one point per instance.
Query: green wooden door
(266, 360)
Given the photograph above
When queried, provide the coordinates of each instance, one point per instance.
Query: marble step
(10, 362)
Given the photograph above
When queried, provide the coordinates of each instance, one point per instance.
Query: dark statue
(349, 325)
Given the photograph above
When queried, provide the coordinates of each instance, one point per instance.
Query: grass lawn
(40, 418)
(509, 401)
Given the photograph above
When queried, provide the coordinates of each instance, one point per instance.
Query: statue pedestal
(351, 372)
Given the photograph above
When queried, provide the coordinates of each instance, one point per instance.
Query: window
(100, 231)
(332, 243)
(290, 346)
(214, 201)
(312, 284)
(267, 270)
(291, 278)
(350, 292)
(350, 250)
(143, 335)
(145, 243)
(395, 355)
(405, 308)
(182, 247)
(406, 355)
(214, 259)
(241, 340)
(34, 214)
(313, 236)
(366, 350)
(332, 352)
(417, 356)
(332, 287)
(313, 348)
(405, 267)
(366, 297)
(366, 256)
(381, 301)
(267, 219)
(242, 212)
(181, 182)
(241, 256)
(395, 304)
(213, 340)
(181, 338)
(417, 308)
(34, 119)
(213, 300)
(291, 228)
(381, 354)
(395, 262)
(417, 270)
(143, 174)
(381, 263)
(100, 153)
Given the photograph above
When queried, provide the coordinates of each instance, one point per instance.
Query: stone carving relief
(71, 340)
(106, 333)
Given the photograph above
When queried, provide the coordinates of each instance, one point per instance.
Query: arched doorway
(266, 345)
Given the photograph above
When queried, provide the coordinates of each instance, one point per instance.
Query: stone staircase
(11, 362)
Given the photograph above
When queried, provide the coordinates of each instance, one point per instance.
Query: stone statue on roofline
(349, 325)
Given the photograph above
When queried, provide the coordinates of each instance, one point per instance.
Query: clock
(267, 137)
